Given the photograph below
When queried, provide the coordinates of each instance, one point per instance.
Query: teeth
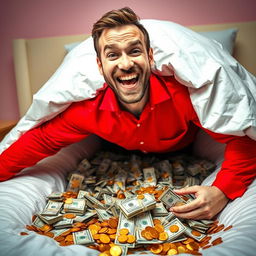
(125, 78)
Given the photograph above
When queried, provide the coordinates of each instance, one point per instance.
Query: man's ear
(151, 56)
(99, 65)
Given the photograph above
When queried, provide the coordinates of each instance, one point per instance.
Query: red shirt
(167, 123)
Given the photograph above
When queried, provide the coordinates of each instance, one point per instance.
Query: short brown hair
(115, 18)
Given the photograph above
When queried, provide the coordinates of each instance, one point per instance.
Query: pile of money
(119, 202)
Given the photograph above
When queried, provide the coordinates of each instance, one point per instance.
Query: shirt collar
(157, 94)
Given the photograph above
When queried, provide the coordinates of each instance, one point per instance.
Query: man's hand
(209, 202)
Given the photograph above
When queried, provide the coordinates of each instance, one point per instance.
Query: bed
(23, 196)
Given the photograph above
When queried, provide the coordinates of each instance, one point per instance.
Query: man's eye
(136, 51)
(111, 55)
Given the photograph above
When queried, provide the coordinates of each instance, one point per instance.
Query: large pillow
(221, 90)
(226, 38)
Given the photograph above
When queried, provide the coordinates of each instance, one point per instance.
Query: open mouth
(128, 80)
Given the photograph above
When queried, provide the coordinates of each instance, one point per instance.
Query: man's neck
(136, 108)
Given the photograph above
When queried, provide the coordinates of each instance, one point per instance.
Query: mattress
(25, 195)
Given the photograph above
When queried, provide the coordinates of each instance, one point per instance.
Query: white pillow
(225, 37)
(212, 75)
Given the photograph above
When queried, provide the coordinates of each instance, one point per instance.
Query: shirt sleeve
(238, 169)
(45, 140)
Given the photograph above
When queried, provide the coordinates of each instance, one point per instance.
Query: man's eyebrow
(112, 46)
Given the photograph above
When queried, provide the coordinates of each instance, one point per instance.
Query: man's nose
(125, 62)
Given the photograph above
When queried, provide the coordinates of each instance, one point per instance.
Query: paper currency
(52, 208)
(83, 237)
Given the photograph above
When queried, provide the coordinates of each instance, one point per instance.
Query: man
(138, 111)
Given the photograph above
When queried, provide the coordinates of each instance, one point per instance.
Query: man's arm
(237, 172)
(43, 141)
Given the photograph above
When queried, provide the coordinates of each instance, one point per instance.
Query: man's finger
(195, 215)
(188, 190)
(186, 207)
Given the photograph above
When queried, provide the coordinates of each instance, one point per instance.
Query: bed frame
(35, 60)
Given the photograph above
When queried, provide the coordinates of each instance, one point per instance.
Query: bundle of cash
(133, 206)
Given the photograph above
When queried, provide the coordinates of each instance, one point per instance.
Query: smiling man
(137, 110)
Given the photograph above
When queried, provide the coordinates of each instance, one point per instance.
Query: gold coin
(153, 232)
(122, 238)
(46, 228)
(115, 250)
(49, 234)
(131, 239)
(163, 236)
(174, 228)
(159, 228)
(69, 238)
(147, 235)
(157, 222)
(156, 248)
(195, 233)
(217, 241)
(69, 201)
(104, 239)
(166, 248)
(228, 228)
(181, 249)
(69, 215)
(123, 231)
(103, 230)
(192, 246)
(59, 238)
(113, 223)
(172, 252)
(23, 233)
(140, 196)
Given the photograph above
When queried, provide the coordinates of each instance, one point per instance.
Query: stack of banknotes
(136, 190)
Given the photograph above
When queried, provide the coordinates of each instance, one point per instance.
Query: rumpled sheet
(223, 93)
(25, 195)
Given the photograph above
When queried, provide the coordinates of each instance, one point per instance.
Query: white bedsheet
(25, 195)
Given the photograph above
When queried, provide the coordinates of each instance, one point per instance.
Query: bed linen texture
(25, 195)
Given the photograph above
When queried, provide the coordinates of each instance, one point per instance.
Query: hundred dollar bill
(87, 216)
(64, 223)
(96, 203)
(56, 196)
(194, 234)
(169, 198)
(77, 206)
(133, 206)
(52, 208)
(50, 219)
(75, 182)
(103, 214)
(123, 222)
(150, 176)
(143, 220)
(38, 222)
(159, 210)
(83, 237)
(174, 229)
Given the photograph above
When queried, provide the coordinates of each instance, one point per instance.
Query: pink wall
(40, 18)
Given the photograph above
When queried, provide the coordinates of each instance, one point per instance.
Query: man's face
(125, 63)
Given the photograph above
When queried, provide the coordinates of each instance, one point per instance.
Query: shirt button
(144, 151)
(142, 142)
(152, 108)
(138, 125)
